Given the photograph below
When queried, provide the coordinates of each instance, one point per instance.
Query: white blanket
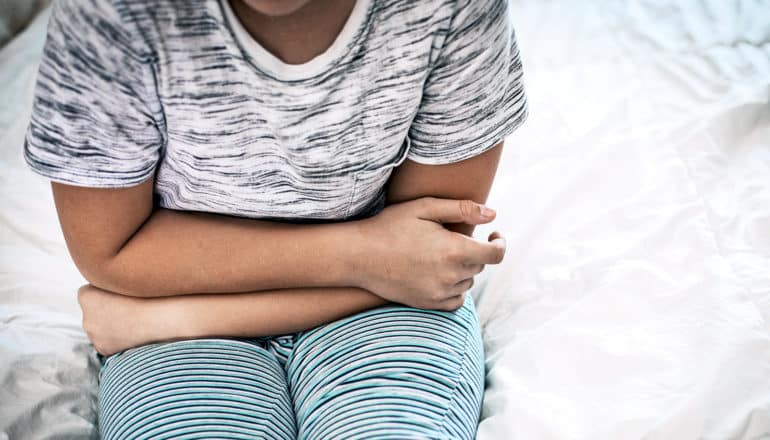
(635, 296)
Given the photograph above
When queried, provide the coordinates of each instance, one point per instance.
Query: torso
(248, 134)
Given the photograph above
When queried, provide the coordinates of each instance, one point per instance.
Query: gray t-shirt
(178, 88)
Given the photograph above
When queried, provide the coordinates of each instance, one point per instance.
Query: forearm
(178, 253)
(257, 314)
(117, 322)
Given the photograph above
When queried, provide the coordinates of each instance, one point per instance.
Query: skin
(276, 8)
(163, 275)
(117, 321)
(295, 31)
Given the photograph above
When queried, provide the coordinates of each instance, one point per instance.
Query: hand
(113, 322)
(413, 260)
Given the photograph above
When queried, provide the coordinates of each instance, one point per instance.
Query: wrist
(169, 321)
(360, 254)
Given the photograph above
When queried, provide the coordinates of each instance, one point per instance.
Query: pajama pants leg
(393, 372)
(200, 389)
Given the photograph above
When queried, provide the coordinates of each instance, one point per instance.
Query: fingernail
(487, 212)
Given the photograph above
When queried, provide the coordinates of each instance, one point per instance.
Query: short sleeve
(95, 116)
(474, 94)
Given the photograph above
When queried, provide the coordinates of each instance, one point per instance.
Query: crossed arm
(166, 275)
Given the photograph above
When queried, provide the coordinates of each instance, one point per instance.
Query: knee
(427, 361)
(204, 383)
(391, 325)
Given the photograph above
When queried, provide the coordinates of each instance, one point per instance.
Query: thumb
(454, 211)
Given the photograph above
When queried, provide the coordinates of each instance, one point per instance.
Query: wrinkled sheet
(47, 368)
(635, 296)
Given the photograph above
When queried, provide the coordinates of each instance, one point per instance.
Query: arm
(470, 179)
(116, 322)
(274, 312)
(119, 244)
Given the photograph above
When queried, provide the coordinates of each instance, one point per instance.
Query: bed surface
(635, 297)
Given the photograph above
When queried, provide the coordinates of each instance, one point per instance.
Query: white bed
(635, 297)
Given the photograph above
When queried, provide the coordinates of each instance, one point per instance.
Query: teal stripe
(391, 372)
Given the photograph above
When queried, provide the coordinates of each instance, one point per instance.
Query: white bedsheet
(635, 296)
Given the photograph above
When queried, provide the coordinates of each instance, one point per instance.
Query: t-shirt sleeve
(474, 94)
(96, 114)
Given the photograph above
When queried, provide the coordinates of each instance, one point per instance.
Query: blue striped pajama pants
(392, 372)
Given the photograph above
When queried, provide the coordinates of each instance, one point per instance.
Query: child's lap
(395, 357)
(412, 322)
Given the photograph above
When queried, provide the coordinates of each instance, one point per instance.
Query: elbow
(106, 276)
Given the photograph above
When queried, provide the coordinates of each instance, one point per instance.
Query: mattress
(634, 299)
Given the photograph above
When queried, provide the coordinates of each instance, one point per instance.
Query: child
(272, 202)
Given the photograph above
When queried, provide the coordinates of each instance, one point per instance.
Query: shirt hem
(93, 181)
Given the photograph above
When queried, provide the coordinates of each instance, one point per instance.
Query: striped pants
(393, 372)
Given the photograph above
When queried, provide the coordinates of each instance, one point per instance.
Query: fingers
(454, 211)
(453, 303)
(462, 287)
(499, 245)
(470, 270)
(477, 252)
(494, 236)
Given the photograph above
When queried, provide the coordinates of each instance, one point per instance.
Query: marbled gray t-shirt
(178, 89)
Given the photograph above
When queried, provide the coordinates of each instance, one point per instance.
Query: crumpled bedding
(635, 296)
